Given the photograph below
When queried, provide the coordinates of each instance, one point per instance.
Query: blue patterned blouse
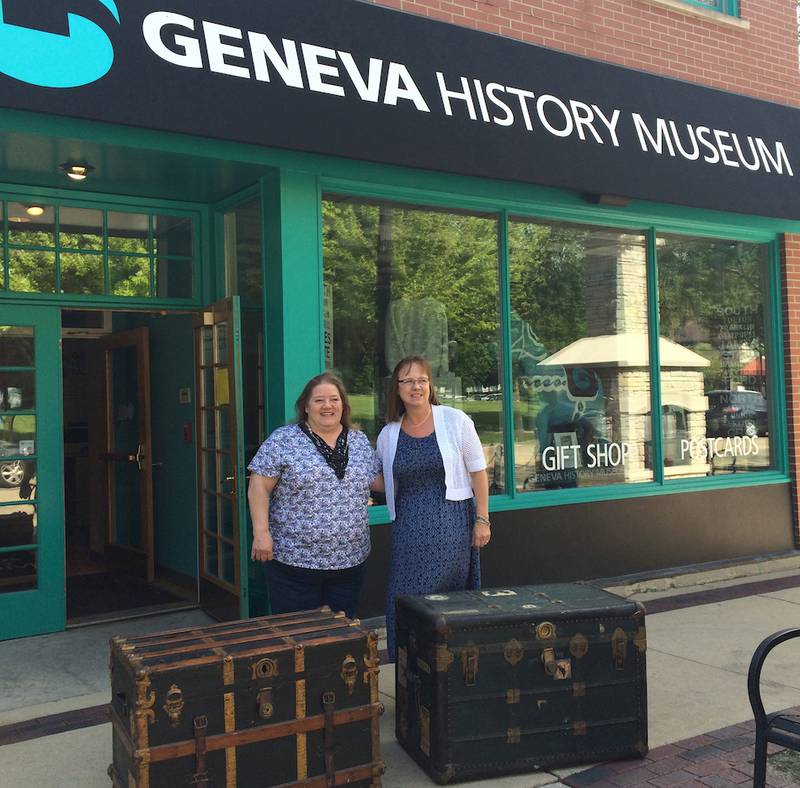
(316, 520)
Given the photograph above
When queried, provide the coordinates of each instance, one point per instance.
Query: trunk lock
(265, 707)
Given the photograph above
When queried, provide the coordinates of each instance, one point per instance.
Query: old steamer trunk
(509, 680)
(285, 700)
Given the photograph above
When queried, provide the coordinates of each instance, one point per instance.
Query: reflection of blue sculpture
(573, 396)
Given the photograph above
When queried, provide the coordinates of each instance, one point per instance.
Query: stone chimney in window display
(616, 317)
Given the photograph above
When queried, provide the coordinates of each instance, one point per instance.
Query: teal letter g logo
(55, 61)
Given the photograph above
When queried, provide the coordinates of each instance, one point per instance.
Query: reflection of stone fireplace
(616, 348)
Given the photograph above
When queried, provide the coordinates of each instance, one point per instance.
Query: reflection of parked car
(11, 473)
(736, 413)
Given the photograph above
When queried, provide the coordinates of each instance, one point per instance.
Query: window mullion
(506, 370)
(775, 366)
(57, 244)
(6, 262)
(654, 334)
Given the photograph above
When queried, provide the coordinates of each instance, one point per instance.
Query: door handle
(138, 457)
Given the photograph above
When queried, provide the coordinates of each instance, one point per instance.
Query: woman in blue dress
(433, 467)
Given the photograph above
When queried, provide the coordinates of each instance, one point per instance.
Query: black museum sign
(352, 79)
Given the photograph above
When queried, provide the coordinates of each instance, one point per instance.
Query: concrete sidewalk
(697, 693)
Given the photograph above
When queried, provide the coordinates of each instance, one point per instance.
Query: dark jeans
(293, 588)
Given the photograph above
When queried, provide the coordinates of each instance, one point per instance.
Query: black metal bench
(778, 728)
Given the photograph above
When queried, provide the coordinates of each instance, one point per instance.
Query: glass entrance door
(31, 473)
(221, 474)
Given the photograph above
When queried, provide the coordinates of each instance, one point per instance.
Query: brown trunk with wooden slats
(284, 701)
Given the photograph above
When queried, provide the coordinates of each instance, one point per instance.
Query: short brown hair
(395, 407)
(326, 377)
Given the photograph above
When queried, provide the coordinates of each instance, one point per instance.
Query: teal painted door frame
(42, 609)
(293, 289)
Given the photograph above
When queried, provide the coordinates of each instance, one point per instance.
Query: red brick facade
(791, 339)
(760, 61)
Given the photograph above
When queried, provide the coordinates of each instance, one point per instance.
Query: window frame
(727, 7)
(651, 220)
(106, 204)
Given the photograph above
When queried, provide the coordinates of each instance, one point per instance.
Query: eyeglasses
(421, 382)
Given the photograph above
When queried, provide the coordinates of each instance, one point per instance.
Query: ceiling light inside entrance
(77, 171)
(34, 210)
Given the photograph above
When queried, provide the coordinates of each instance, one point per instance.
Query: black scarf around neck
(338, 456)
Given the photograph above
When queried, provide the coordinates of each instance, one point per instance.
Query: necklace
(416, 424)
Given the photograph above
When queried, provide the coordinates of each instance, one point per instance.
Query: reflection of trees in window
(32, 270)
(546, 265)
(99, 252)
(376, 255)
(711, 296)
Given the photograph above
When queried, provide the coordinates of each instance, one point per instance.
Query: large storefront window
(576, 336)
(713, 308)
(580, 357)
(62, 249)
(403, 280)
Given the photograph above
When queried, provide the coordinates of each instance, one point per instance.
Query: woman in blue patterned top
(308, 495)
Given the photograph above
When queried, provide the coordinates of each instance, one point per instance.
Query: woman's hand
(262, 547)
(481, 534)
(258, 492)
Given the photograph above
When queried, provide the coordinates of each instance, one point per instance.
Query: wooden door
(222, 540)
(129, 452)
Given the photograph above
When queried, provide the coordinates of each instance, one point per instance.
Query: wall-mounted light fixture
(77, 171)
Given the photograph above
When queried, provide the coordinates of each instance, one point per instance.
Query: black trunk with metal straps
(510, 680)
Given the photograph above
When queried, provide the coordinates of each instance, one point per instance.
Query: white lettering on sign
(598, 455)
(708, 448)
(718, 146)
(320, 64)
(326, 69)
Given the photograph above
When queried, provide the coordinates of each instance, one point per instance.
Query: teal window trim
(776, 370)
(218, 211)
(151, 246)
(22, 503)
(638, 216)
(729, 7)
(24, 548)
(5, 251)
(58, 199)
(506, 371)
(654, 335)
(57, 249)
(106, 255)
(651, 220)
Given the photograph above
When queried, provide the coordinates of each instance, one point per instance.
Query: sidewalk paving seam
(49, 725)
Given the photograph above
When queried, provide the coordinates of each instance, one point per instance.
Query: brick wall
(761, 61)
(791, 339)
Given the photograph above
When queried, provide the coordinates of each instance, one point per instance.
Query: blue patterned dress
(431, 537)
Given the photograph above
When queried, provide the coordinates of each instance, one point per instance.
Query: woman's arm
(258, 492)
(378, 485)
(481, 532)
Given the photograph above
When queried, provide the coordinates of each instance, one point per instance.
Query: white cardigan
(460, 447)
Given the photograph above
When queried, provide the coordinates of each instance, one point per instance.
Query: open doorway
(130, 490)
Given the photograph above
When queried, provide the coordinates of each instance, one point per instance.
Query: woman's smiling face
(413, 392)
(324, 409)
